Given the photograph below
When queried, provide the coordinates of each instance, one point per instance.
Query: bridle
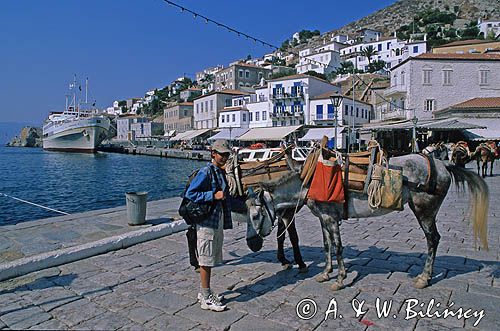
(260, 201)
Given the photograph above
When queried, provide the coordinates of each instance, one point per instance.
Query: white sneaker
(212, 303)
(220, 297)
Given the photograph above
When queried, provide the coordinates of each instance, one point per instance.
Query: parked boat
(261, 154)
(77, 129)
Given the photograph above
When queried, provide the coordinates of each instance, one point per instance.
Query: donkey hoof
(421, 283)
(286, 266)
(322, 278)
(303, 270)
(337, 286)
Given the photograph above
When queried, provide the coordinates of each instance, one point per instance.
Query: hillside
(389, 19)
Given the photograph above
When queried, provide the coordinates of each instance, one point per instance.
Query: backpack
(195, 212)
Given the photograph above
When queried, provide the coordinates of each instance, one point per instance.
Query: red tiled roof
(233, 108)
(466, 42)
(296, 76)
(185, 103)
(493, 102)
(470, 56)
(328, 94)
(228, 91)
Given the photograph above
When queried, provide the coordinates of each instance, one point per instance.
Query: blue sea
(73, 182)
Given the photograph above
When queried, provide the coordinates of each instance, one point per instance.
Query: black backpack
(194, 212)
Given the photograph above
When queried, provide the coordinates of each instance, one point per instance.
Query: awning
(170, 133)
(226, 134)
(446, 124)
(269, 133)
(491, 131)
(318, 133)
(188, 135)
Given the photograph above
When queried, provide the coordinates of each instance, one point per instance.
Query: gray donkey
(288, 194)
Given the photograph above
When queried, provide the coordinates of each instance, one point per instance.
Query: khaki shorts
(209, 245)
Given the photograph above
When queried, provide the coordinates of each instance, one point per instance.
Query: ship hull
(82, 137)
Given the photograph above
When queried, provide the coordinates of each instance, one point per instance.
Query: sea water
(77, 182)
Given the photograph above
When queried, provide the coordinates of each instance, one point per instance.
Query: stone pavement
(35, 237)
(151, 285)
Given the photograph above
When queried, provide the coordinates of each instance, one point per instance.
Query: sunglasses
(223, 154)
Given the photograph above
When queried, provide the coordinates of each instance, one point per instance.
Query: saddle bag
(391, 188)
(327, 185)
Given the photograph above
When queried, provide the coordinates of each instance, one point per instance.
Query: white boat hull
(83, 135)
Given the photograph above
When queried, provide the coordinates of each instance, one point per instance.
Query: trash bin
(136, 207)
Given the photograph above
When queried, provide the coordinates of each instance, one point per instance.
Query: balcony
(289, 96)
(395, 90)
(287, 114)
(398, 114)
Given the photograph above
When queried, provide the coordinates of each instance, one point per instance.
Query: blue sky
(126, 47)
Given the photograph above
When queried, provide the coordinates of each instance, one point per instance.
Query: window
(430, 105)
(197, 108)
(319, 112)
(283, 123)
(250, 115)
(240, 73)
(244, 117)
(257, 116)
(346, 112)
(217, 79)
(240, 84)
(222, 118)
(402, 77)
(388, 45)
(427, 77)
(230, 74)
(233, 118)
(206, 106)
(211, 105)
(447, 77)
(357, 112)
(352, 111)
(201, 107)
(247, 74)
(331, 113)
(483, 77)
(264, 115)
(415, 49)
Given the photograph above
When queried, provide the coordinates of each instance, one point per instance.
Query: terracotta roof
(453, 57)
(466, 42)
(185, 103)
(231, 92)
(328, 94)
(232, 108)
(493, 102)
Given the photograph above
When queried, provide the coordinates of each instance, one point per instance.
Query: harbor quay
(150, 285)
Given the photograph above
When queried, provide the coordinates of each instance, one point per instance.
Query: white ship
(76, 129)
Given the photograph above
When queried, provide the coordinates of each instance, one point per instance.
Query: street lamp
(336, 100)
(414, 120)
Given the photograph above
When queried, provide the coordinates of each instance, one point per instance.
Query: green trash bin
(136, 207)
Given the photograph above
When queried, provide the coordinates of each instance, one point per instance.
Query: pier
(149, 284)
(200, 155)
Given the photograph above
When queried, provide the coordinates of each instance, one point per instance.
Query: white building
(323, 62)
(289, 98)
(390, 50)
(485, 26)
(350, 112)
(206, 108)
(431, 82)
(124, 130)
(236, 115)
(259, 108)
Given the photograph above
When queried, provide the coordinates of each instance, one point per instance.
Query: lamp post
(414, 120)
(336, 100)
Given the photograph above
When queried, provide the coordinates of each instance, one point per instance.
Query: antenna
(86, 89)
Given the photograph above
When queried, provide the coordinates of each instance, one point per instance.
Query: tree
(285, 45)
(471, 31)
(376, 65)
(315, 74)
(249, 57)
(346, 67)
(369, 52)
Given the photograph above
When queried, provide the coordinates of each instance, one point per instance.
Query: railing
(282, 96)
(395, 89)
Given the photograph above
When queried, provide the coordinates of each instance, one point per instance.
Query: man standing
(210, 186)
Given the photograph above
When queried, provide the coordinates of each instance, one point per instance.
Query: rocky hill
(29, 137)
(402, 12)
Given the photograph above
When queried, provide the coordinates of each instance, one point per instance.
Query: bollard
(136, 207)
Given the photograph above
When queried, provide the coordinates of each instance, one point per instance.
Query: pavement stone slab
(169, 322)
(252, 322)
(215, 320)
(166, 301)
(76, 312)
(50, 298)
(105, 321)
(141, 313)
(25, 317)
(51, 324)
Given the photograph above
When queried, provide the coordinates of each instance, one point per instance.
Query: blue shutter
(319, 112)
(330, 111)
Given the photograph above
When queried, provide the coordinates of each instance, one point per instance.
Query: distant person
(210, 236)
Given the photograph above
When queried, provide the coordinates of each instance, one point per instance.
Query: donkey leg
(281, 241)
(294, 240)
(339, 284)
(491, 168)
(327, 243)
(428, 225)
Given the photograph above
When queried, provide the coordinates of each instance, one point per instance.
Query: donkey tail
(480, 200)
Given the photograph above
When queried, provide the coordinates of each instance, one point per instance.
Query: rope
(33, 204)
(375, 188)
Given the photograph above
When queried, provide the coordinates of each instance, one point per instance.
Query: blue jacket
(203, 188)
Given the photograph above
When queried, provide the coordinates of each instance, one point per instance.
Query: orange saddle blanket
(326, 185)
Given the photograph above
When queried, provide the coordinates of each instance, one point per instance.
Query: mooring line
(34, 204)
